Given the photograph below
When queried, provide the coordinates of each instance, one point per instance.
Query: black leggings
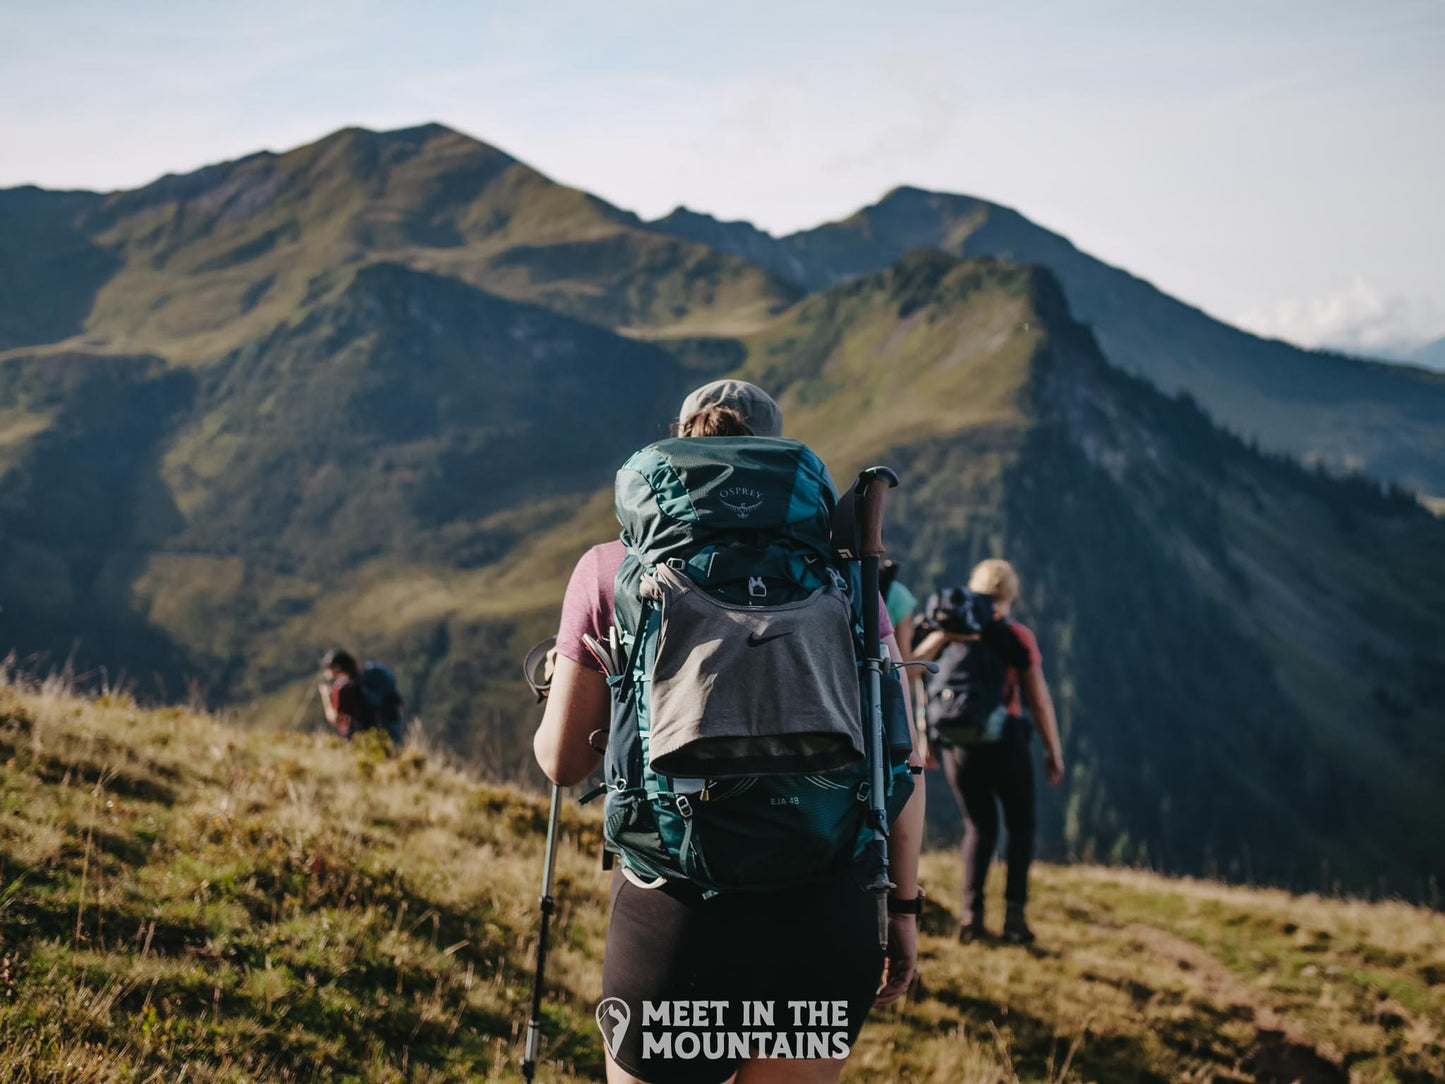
(984, 777)
(817, 943)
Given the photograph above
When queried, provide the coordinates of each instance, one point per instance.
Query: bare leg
(757, 1071)
(790, 1071)
(618, 1075)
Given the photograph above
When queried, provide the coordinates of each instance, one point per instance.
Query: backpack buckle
(757, 588)
(863, 791)
(684, 807)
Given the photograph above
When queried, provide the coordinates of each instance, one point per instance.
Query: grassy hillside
(1345, 413)
(194, 266)
(183, 900)
(373, 390)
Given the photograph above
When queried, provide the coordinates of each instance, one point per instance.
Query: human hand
(961, 637)
(901, 964)
(1054, 766)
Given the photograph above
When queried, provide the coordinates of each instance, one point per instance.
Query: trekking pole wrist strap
(914, 906)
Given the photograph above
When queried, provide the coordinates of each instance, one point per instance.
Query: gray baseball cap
(755, 405)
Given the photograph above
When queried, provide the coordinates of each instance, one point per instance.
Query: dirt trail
(1283, 1051)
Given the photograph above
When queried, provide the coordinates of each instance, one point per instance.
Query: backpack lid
(677, 493)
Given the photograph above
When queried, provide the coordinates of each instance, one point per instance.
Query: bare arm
(1041, 706)
(904, 844)
(578, 704)
(903, 633)
(931, 645)
(326, 706)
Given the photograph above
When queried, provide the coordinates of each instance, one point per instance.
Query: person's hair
(714, 421)
(996, 578)
(344, 661)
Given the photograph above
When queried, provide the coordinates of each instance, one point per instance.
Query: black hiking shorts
(691, 987)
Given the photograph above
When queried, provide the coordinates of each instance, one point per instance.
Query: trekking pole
(547, 905)
(872, 492)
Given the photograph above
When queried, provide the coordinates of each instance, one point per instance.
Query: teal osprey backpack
(737, 755)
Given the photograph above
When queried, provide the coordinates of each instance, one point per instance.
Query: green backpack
(737, 756)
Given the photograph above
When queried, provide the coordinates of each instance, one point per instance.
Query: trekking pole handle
(535, 658)
(873, 486)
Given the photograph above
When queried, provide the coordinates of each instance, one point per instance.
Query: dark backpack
(966, 696)
(383, 695)
(737, 754)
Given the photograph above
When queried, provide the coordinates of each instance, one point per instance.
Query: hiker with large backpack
(356, 698)
(711, 662)
(989, 667)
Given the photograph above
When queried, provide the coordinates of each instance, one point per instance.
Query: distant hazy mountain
(374, 390)
(1432, 354)
(1322, 407)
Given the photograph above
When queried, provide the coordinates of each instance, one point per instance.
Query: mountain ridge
(1318, 406)
(374, 390)
(264, 234)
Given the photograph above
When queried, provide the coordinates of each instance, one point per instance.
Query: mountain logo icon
(613, 1016)
(741, 500)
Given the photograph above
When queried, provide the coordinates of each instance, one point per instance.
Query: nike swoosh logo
(754, 640)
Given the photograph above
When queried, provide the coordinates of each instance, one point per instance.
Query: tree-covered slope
(1236, 642)
(1346, 413)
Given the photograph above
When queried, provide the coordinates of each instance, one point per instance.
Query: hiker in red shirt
(357, 698)
(342, 698)
(989, 775)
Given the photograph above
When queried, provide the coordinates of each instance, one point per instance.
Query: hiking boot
(972, 930)
(1015, 930)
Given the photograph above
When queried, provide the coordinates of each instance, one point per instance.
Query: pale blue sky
(1280, 163)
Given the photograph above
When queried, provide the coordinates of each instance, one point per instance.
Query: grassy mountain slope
(82, 502)
(194, 266)
(1343, 412)
(343, 478)
(415, 466)
(375, 390)
(182, 900)
(50, 268)
(1236, 642)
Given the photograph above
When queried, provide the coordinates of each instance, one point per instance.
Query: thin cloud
(1359, 319)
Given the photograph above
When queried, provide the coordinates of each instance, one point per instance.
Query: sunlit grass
(184, 900)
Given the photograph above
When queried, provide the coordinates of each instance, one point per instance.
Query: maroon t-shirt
(1011, 682)
(350, 705)
(587, 606)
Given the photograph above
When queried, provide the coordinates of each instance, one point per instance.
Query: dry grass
(184, 900)
(178, 895)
